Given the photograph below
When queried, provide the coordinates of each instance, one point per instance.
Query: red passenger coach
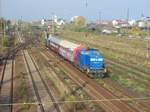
(66, 49)
(55, 47)
(53, 43)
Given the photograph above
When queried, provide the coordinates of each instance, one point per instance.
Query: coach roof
(63, 43)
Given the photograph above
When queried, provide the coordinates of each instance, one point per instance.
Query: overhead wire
(145, 99)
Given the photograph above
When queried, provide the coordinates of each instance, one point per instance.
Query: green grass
(121, 50)
(5, 41)
(115, 77)
(148, 78)
(24, 95)
(129, 83)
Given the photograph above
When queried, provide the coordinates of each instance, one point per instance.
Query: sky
(38, 9)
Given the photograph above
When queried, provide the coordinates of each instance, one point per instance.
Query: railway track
(143, 72)
(6, 86)
(118, 72)
(111, 49)
(140, 105)
(92, 88)
(140, 76)
(44, 95)
(127, 75)
(55, 70)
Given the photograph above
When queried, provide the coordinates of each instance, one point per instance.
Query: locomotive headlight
(93, 59)
(100, 59)
(96, 59)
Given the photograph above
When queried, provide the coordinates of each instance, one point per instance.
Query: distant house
(144, 22)
(105, 31)
(120, 23)
(43, 21)
(37, 22)
(58, 21)
(91, 25)
(102, 22)
(141, 24)
(13, 22)
(148, 19)
(109, 31)
(115, 23)
(132, 22)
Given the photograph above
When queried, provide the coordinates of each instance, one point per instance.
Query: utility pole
(86, 3)
(4, 31)
(100, 17)
(0, 8)
(1, 23)
(147, 41)
(127, 14)
(147, 49)
(21, 26)
(53, 24)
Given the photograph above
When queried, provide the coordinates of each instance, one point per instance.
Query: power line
(79, 101)
(128, 14)
(100, 17)
(1, 23)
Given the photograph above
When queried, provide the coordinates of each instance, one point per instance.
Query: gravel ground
(22, 89)
(5, 96)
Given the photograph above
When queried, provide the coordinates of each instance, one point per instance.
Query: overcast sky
(110, 9)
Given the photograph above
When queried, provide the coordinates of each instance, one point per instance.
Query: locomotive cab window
(96, 52)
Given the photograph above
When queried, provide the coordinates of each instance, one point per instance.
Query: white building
(132, 22)
(115, 23)
(141, 24)
(58, 22)
(42, 21)
(120, 23)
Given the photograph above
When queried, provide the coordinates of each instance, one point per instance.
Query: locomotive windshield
(96, 52)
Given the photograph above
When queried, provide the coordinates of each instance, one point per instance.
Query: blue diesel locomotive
(89, 60)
